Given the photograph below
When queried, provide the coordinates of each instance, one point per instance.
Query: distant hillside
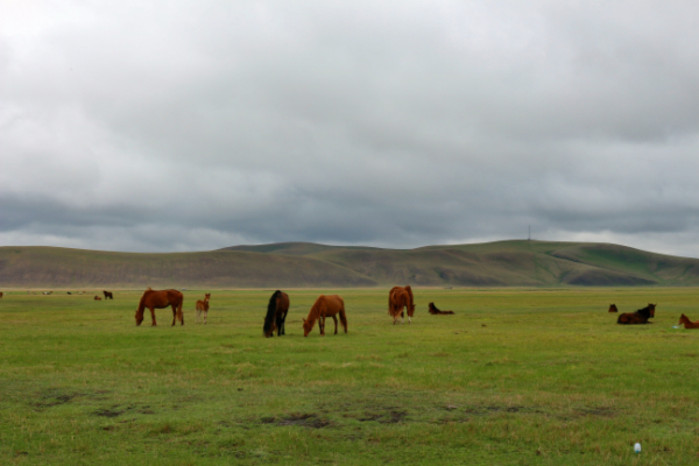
(505, 263)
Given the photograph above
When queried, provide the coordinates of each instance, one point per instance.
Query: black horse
(277, 309)
(639, 317)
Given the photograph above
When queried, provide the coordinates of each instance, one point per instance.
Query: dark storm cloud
(187, 126)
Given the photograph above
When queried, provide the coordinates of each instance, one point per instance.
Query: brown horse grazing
(108, 294)
(159, 299)
(639, 317)
(203, 306)
(435, 310)
(684, 320)
(325, 306)
(398, 298)
(277, 309)
(612, 308)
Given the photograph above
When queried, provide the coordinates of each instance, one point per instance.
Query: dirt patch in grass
(298, 419)
(393, 416)
(56, 397)
(116, 410)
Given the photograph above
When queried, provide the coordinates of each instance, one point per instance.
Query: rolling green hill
(505, 263)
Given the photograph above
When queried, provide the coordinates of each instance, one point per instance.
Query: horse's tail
(411, 302)
(180, 314)
(390, 301)
(343, 316)
(268, 326)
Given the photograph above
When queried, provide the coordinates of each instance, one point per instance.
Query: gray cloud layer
(168, 126)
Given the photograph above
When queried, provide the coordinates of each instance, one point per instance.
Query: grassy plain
(516, 376)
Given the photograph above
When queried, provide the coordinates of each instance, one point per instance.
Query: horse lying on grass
(684, 320)
(435, 310)
(639, 317)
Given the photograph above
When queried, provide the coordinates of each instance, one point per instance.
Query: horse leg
(335, 320)
(152, 316)
(174, 315)
(321, 324)
(206, 314)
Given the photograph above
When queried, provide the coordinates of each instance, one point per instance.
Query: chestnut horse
(435, 310)
(688, 323)
(639, 317)
(159, 299)
(398, 298)
(203, 306)
(277, 309)
(325, 306)
(612, 308)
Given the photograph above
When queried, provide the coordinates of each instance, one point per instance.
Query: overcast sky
(194, 125)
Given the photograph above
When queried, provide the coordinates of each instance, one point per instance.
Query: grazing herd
(400, 299)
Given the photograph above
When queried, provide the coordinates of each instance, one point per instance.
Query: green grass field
(516, 376)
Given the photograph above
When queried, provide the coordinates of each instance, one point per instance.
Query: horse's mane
(142, 302)
(314, 313)
(271, 309)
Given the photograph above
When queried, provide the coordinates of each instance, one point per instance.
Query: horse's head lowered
(307, 327)
(139, 317)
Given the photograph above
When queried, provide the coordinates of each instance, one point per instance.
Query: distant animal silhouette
(108, 294)
(684, 320)
(159, 299)
(435, 310)
(277, 309)
(398, 298)
(639, 317)
(612, 308)
(1, 294)
(325, 306)
(97, 298)
(203, 307)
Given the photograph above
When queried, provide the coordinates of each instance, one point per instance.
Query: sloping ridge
(504, 263)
